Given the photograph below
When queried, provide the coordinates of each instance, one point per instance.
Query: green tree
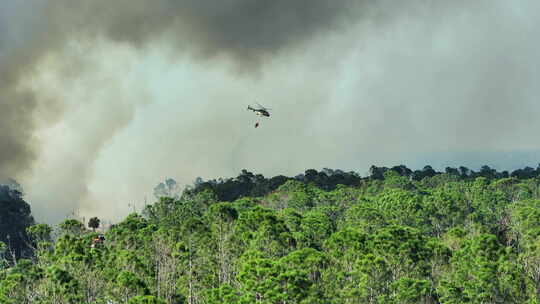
(93, 223)
(39, 233)
(263, 230)
(222, 219)
(3, 261)
(483, 272)
(146, 300)
(128, 285)
(40, 238)
(316, 226)
(15, 217)
(64, 286)
(71, 227)
(290, 279)
(413, 291)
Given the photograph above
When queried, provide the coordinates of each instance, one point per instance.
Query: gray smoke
(244, 30)
(101, 100)
(16, 109)
(43, 33)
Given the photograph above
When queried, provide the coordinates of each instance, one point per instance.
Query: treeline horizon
(250, 184)
(245, 184)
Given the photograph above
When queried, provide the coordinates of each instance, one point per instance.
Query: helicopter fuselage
(260, 112)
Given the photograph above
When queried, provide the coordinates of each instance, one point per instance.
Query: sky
(100, 101)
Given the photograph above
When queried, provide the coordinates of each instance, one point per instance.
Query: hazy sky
(101, 100)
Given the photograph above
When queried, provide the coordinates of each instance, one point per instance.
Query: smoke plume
(102, 100)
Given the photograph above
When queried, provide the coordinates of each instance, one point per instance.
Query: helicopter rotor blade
(262, 107)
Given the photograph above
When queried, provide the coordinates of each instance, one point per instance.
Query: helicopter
(261, 111)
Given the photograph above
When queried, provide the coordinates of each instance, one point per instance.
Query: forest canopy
(395, 236)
